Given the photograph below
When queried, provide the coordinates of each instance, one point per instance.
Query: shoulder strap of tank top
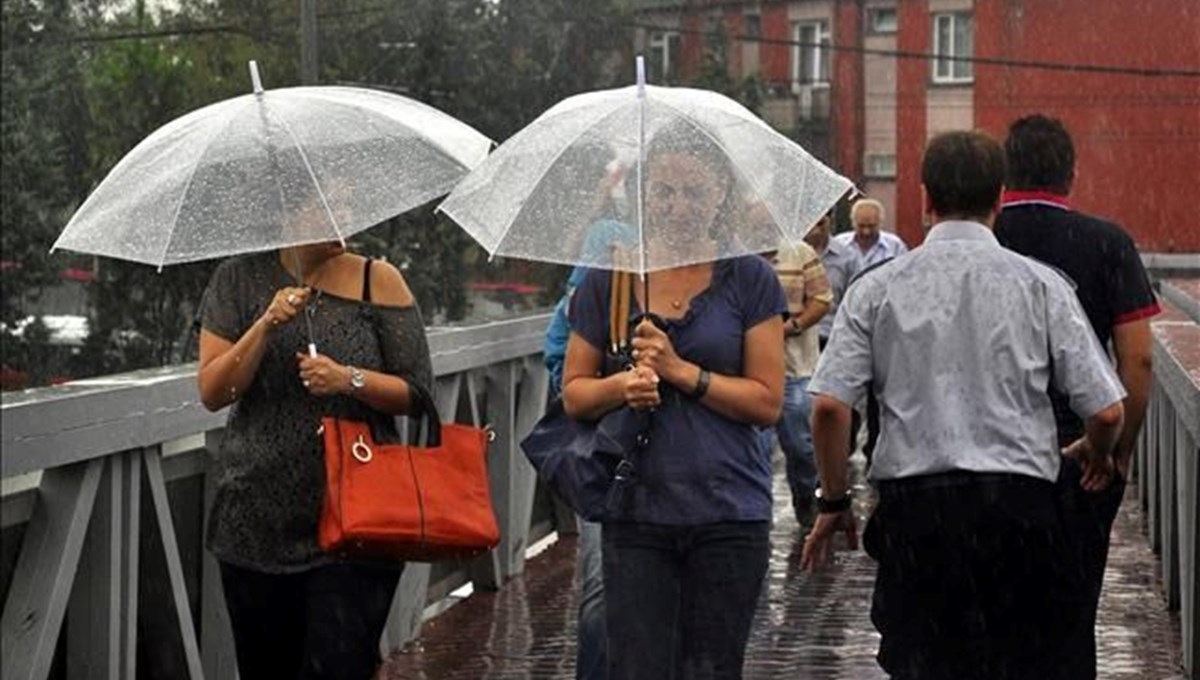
(366, 291)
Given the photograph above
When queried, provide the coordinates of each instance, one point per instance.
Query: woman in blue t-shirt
(689, 550)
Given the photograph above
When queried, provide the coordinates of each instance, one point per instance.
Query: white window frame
(661, 40)
(873, 25)
(821, 57)
(874, 160)
(947, 71)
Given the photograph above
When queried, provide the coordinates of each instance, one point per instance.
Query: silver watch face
(357, 379)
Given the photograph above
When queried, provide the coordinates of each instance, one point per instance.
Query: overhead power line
(832, 47)
(929, 56)
(202, 29)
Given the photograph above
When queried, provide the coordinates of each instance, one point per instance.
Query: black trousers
(321, 623)
(977, 578)
(1090, 517)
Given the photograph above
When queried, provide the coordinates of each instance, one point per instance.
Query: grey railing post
(102, 629)
(216, 637)
(1187, 467)
(516, 398)
(486, 573)
(1153, 479)
(1168, 499)
(103, 435)
(152, 459)
(45, 572)
(505, 462)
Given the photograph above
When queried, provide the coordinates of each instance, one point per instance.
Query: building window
(882, 20)
(664, 57)
(881, 165)
(810, 54)
(752, 26)
(953, 36)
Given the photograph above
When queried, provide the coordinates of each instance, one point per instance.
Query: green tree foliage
(715, 73)
(42, 165)
(86, 80)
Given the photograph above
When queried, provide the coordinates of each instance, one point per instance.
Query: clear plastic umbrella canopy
(273, 169)
(640, 180)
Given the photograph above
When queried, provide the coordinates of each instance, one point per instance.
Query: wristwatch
(832, 505)
(357, 380)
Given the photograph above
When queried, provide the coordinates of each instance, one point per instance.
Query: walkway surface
(807, 626)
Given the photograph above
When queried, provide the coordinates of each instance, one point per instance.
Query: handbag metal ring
(361, 451)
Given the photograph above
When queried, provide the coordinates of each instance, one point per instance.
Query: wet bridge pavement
(807, 626)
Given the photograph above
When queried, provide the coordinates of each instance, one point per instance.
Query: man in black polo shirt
(1115, 293)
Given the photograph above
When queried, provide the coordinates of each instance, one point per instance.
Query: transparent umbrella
(541, 194)
(273, 169)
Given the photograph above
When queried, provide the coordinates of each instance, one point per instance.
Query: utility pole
(308, 42)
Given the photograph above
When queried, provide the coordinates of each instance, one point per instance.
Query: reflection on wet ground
(813, 627)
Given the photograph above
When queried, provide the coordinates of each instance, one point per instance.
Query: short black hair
(963, 174)
(1040, 154)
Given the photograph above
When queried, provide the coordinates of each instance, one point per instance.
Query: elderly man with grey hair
(868, 242)
(868, 245)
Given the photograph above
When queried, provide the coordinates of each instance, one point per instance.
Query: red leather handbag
(412, 503)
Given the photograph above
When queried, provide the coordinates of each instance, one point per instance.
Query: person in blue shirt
(685, 557)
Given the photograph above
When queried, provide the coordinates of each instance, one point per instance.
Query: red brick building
(859, 83)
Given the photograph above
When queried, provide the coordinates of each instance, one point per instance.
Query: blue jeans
(591, 660)
(680, 599)
(795, 438)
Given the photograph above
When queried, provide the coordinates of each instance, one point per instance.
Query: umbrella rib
(753, 185)
(188, 185)
(311, 175)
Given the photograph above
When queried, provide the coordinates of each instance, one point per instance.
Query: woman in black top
(296, 612)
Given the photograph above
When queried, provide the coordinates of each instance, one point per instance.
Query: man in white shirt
(869, 243)
(869, 246)
(960, 341)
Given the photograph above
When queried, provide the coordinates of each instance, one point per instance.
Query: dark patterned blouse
(269, 470)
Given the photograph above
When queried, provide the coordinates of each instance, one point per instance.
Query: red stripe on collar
(1013, 197)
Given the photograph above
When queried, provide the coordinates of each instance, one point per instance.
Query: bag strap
(426, 411)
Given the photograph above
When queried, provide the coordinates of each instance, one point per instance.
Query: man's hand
(1098, 471)
(819, 542)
